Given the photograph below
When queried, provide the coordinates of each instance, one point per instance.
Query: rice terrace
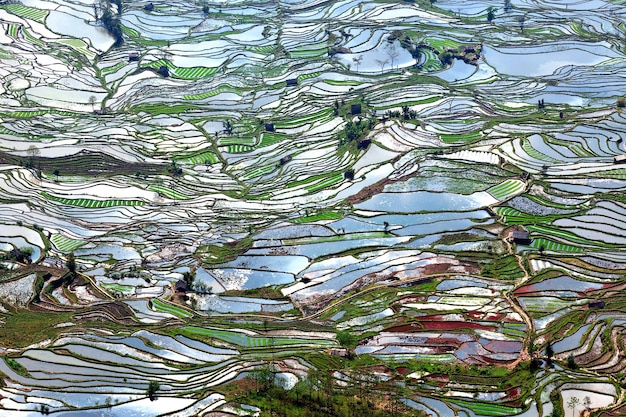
(310, 208)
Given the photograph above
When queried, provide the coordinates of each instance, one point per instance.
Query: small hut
(181, 286)
(619, 159)
(521, 237)
(285, 159)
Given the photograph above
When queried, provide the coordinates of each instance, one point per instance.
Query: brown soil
(116, 311)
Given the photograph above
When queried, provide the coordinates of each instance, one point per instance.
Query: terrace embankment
(84, 164)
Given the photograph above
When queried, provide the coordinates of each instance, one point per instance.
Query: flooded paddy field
(415, 203)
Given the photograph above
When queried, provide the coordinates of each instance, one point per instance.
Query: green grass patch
(212, 93)
(168, 192)
(343, 82)
(309, 52)
(618, 174)
(427, 100)
(65, 244)
(325, 183)
(565, 235)
(79, 46)
(270, 138)
(460, 137)
(163, 307)
(257, 172)
(113, 287)
(327, 215)
(17, 367)
(89, 203)
(547, 244)
(239, 149)
(318, 116)
(112, 69)
(37, 15)
(192, 73)
(24, 327)
(246, 341)
(13, 29)
(200, 158)
(506, 189)
(431, 61)
(238, 140)
(532, 152)
(441, 44)
(33, 39)
(5, 55)
(485, 409)
(130, 32)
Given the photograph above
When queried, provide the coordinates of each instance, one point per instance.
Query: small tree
(228, 127)
(56, 173)
(357, 61)
(521, 20)
(587, 402)
(163, 71)
(490, 15)
(392, 53)
(549, 350)
(571, 362)
(446, 58)
(153, 387)
(347, 340)
(202, 287)
(382, 64)
(71, 263)
(573, 403)
(263, 378)
(92, 101)
(32, 152)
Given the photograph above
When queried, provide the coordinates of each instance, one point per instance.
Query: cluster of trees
(153, 388)
(355, 130)
(109, 20)
(319, 396)
(407, 113)
(22, 255)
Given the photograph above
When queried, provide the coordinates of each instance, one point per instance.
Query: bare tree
(382, 64)
(357, 61)
(92, 101)
(587, 402)
(392, 53)
(33, 153)
(521, 20)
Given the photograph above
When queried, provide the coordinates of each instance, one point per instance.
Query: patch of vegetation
(24, 327)
(216, 254)
(17, 367)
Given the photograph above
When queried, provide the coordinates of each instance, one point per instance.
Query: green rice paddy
(507, 189)
(65, 244)
(89, 203)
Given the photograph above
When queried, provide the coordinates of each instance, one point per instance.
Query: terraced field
(312, 208)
